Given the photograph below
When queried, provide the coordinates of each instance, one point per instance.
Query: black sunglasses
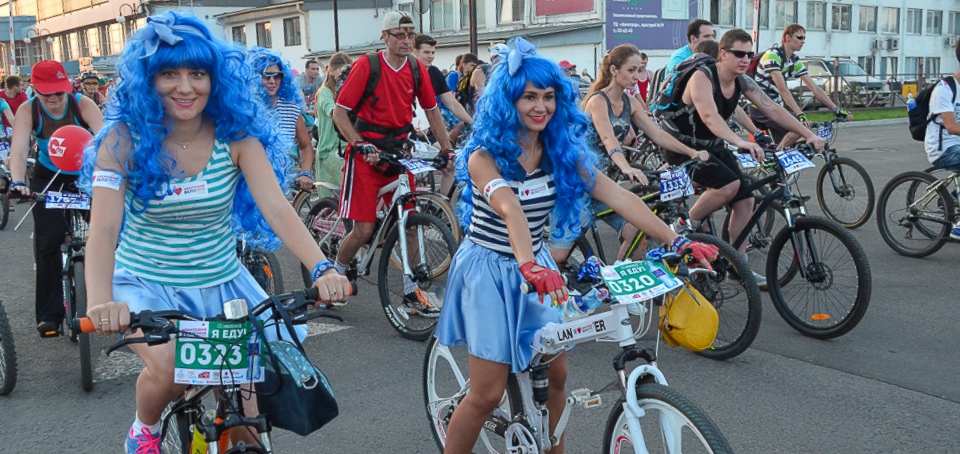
(277, 75)
(47, 95)
(740, 53)
(801, 37)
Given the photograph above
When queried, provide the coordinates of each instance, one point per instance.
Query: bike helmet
(687, 319)
(90, 75)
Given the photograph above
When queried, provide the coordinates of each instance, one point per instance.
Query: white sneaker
(761, 279)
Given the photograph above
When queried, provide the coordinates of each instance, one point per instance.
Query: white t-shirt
(941, 100)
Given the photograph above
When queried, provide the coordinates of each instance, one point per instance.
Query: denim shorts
(949, 160)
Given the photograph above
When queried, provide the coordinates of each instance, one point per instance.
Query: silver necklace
(185, 145)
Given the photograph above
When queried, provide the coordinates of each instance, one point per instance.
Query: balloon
(66, 147)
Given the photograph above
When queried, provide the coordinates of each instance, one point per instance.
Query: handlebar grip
(83, 325)
(527, 287)
(313, 293)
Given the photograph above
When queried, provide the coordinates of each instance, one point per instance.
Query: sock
(139, 425)
(695, 224)
(746, 258)
(408, 285)
(341, 268)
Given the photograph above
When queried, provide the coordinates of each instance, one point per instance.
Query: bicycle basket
(295, 394)
(687, 319)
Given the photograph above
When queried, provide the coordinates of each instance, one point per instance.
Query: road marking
(124, 364)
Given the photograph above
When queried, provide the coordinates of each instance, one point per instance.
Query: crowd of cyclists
(182, 164)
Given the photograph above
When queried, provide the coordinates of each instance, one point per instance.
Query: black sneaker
(49, 329)
(419, 303)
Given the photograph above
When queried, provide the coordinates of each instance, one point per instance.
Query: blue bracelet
(321, 268)
(305, 174)
(17, 184)
(615, 151)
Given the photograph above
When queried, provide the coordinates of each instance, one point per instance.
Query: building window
(406, 8)
(954, 28)
(786, 13)
(931, 67)
(116, 38)
(911, 66)
(816, 15)
(841, 17)
(263, 35)
(465, 14)
(509, 11)
(868, 18)
(674, 9)
(239, 34)
(441, 15)
(93, 42)
(764, 15)
(914, 21)
(888, 65)
(291, 31)
(866, 63)
(890, 22)
(934, 22)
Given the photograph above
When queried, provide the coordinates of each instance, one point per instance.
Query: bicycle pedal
(585, 398)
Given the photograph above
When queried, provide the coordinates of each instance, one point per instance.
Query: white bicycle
(647, 417)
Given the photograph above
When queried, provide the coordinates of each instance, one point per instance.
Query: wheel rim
(848, 202)
(664, 429)
(905, 225)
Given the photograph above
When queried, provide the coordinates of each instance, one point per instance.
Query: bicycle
(923, 206)
(648, 416)
(732, 290)
(190, 424)
(74, 272)
(8, 356)
(263, 266)
(4, 200)
(802, 257)
(433, 253)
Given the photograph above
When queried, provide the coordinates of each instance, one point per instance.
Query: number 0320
(632, 284)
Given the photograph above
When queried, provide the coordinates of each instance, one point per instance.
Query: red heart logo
(178, 191)
(578, 330)
(527, 192)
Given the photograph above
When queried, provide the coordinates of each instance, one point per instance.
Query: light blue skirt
(205, 302)
(485, 310)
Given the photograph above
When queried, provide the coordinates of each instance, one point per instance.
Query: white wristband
(493, 185)
(107, 179)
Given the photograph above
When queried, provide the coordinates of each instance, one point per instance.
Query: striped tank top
(537, 195)
(185, 239)
(287, 113)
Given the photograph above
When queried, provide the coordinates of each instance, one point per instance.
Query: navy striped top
(537, 196)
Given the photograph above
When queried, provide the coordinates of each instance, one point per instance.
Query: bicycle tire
(327, 208)
(735, 295)
(4, 211)
(930, 238)
(847, 194)
(440, 248)
(304, 202)
(439, 406)
(8, 356)
(437, 205)
(78, 271)
(176, 431)
(818, 321)
(662, 403)
(265, 268)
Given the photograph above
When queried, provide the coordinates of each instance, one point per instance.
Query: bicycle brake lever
(150, 339)
(303, 318)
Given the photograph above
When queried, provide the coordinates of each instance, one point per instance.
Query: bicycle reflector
(688, 320)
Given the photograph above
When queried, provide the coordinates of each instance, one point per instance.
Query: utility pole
(473, 27)
(13, 53)
(336, 28)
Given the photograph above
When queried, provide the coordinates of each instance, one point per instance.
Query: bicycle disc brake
(520, 440)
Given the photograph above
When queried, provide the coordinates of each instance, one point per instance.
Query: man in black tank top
(714, 92)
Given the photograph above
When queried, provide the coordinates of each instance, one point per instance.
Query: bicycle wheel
(4, 211)
(735, 295)
(80, 310)
(438, 247)
(438, 206)
(324, 224)
(445, 384)
(303, 202)
(845, 192)
(176, 433)
(758, 242)
(8, 356)
(265, 268)
(830, 294)
(913, 220)
(670, 423)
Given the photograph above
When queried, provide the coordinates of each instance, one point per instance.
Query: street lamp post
(27, 39)
(135, 10)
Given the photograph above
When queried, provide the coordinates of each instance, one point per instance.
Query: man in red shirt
(13, 95)
(383, 121)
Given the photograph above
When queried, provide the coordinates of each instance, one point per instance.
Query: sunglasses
(740, 53)
(801, 37)
(401, 36)
(278, 76)
(91, 84)
(50, 95)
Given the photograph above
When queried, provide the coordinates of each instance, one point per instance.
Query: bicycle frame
(226, 416)
(931, 191)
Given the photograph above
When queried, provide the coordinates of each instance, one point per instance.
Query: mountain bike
(420, 251)
(74, 272)
(917, 210)
(732, 289)
(8, 356)
(648, 416)
(201, 420)
(809, 261)
(263, 266)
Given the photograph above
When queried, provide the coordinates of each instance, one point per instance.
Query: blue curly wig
(260, 59)
(498, 128)
(180, 40)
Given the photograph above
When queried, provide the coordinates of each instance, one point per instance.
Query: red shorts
(361, 183)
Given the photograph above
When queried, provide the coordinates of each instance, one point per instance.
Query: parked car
(856, 87)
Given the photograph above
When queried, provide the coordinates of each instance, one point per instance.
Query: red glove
(702, 252)
(544, 280)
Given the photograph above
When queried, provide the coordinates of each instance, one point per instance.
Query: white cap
(392, 19)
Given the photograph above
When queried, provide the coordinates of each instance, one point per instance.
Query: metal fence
(868, 91)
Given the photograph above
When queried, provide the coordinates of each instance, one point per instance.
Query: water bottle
(911, 102)
(589, 302)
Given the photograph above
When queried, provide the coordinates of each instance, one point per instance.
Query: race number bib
(67, 200)
(417, 166)
(632, 282)
(746, 160)
(825, 132)
(793, 161)
(215, 353)
(674, 184)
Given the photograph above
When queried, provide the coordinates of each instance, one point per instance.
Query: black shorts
(722, 169)
(777, 132)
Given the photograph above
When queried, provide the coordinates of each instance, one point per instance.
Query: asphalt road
(888, 386)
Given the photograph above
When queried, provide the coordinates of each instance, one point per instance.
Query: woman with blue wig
(182, 165)
(277, 89)
(525, 163)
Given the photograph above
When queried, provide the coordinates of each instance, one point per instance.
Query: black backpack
(667, 104)
(73, 108)
(920, 114)
(372, 81)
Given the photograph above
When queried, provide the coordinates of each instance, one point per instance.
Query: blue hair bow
(521, 49)
(162, 28)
